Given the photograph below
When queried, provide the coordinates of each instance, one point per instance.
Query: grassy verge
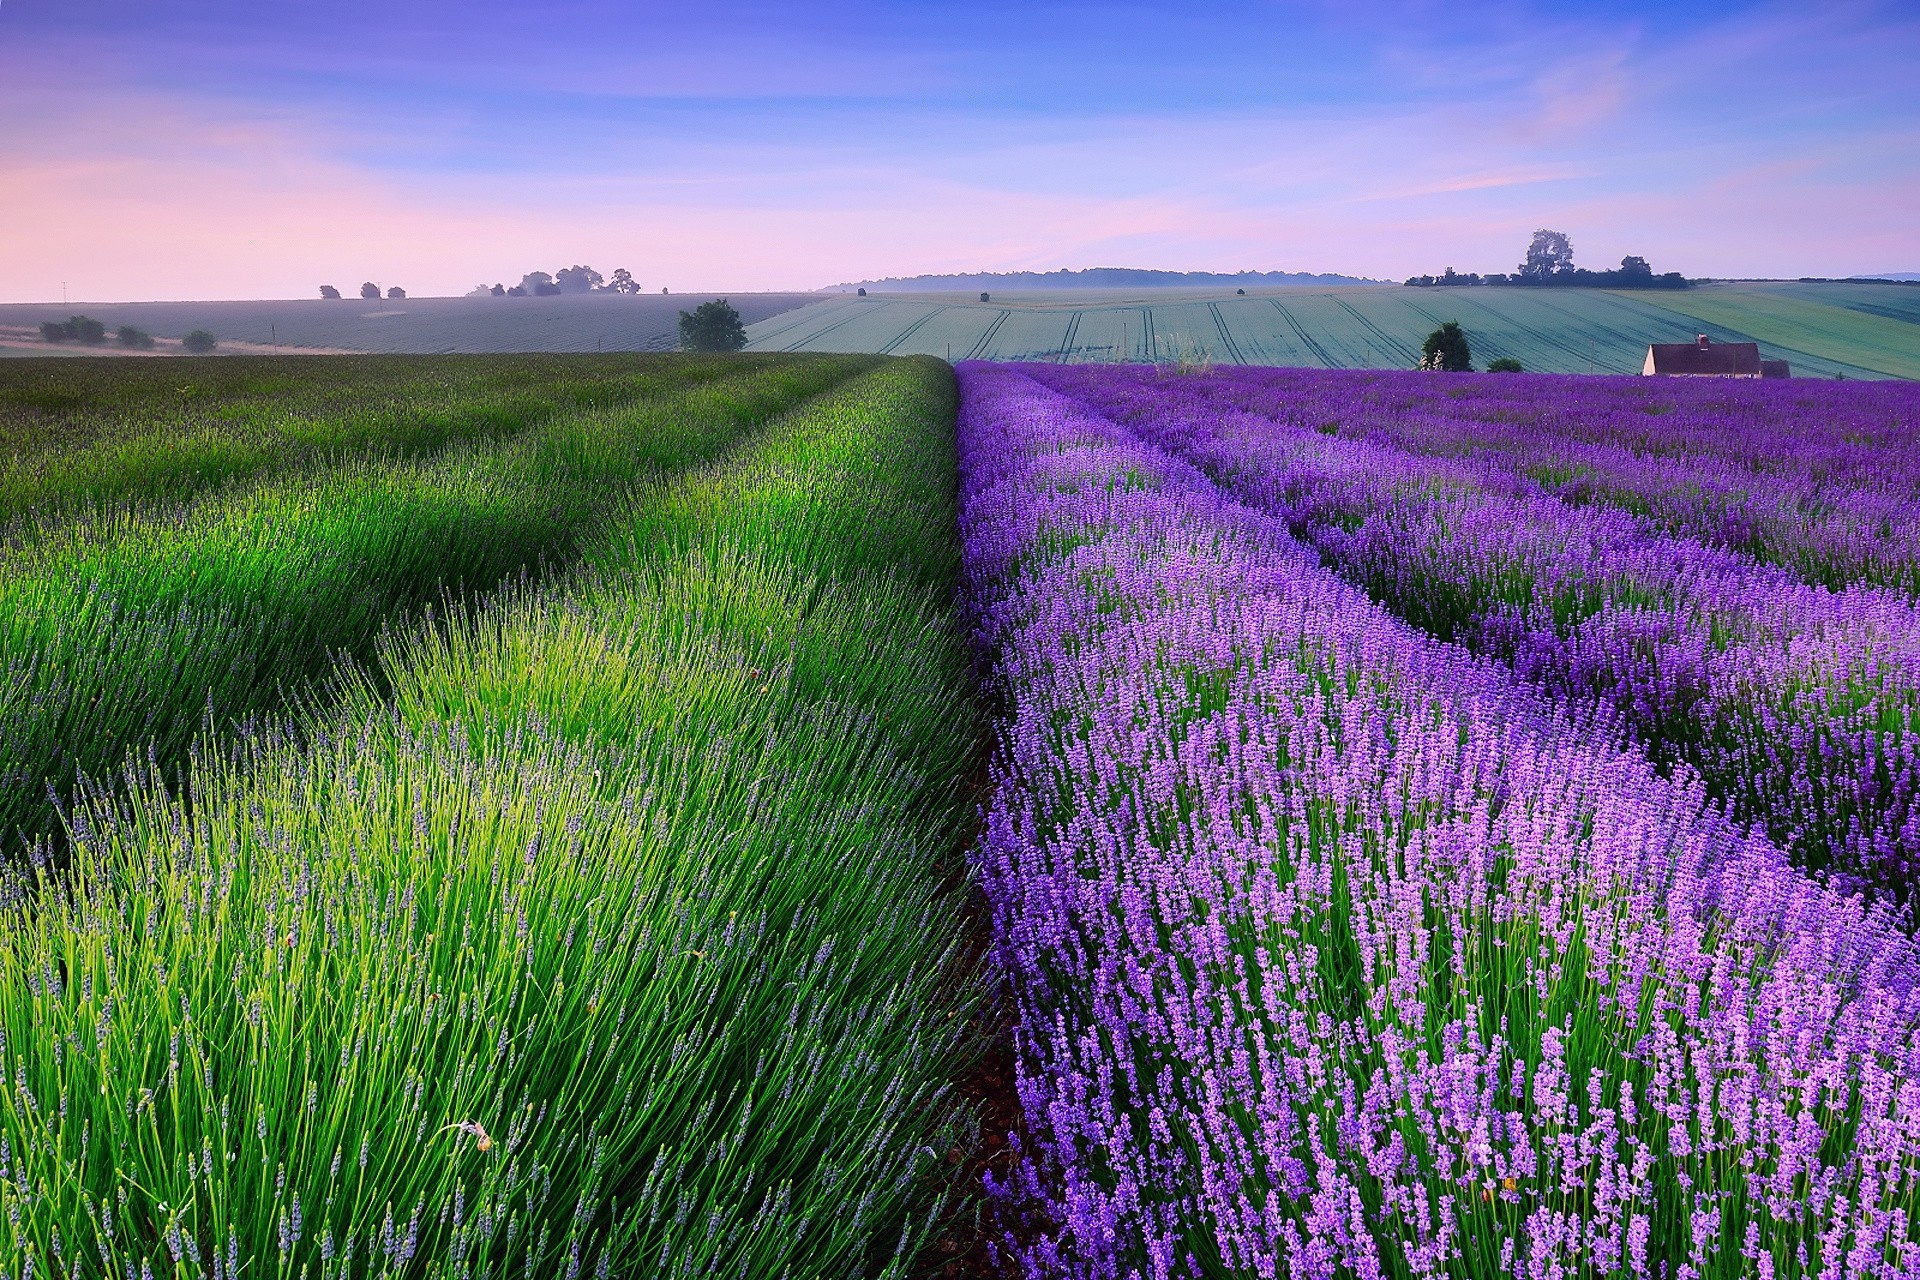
(86, 433)
(128, 633)
(609, 930)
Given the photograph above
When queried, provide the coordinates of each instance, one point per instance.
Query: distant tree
(85, 329)
(370, 291)
(1505, 364)
(330, 293)
(128, 336)
(397, 294)
(985, 297)
(1446, 350)
(1636, 269)
(712, 326)
(1550, 255)
(623, 282)
(479, 291)
(55, 331)
(863, 293)
(1241, 292)
(199, 342)
(539, 284)
(577, 279)
(663, 291)
(498, 291)
(517, 291)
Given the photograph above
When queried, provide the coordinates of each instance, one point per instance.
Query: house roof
(1705, 356)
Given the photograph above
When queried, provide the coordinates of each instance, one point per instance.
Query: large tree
(622, 282)
(1635, 268)
(1550, 255)
(712, 326)
(539, 284)
(577, 279)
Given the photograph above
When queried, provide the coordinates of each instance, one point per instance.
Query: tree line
(534, 284)
(1549, 262)
(89, 332)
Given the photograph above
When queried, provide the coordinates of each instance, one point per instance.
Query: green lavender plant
(128, 633)
(606, 929)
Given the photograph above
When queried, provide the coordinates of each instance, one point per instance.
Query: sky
(228, 148)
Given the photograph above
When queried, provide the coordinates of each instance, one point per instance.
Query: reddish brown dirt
(962, 1247)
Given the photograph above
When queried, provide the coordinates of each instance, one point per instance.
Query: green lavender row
(81, 433)
(608, 930)
(126, 633)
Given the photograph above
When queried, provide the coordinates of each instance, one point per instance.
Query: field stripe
(617, 877)
(1233, 348)
(853, 313)
(985, 343)
(1066, 343)
(804, 317)
(1306, 340)
(909, 331)
(133, 635)
(1388, 344)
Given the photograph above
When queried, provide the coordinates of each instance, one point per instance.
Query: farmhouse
(1705, 358)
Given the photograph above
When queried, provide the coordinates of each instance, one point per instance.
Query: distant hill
(1908, 277)
(1096, 278)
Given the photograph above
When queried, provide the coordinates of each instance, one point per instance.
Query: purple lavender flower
(1338, 950)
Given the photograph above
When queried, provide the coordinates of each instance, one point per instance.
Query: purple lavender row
(1336, 952)
(1799, 706)
(1823, 479)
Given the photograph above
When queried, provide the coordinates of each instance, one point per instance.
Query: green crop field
(129, 624)
(422, 326)
(1855, 330)
(534, 854)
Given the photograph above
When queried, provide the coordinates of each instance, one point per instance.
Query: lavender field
(832, 816)
(1449, 826)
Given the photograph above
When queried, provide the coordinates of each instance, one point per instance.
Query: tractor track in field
(909, 331)
(785, 329)
(1319, 352)
(1388, 343)
(852, 315)
(1066, 343)
(1220, 322)
(986, 339)
(1149, 341)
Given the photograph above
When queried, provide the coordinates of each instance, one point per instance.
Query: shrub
(1505, 364)
(712, 326)
(1446, 350)
(199, 342)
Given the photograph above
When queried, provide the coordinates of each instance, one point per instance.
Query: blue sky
(227, 149)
